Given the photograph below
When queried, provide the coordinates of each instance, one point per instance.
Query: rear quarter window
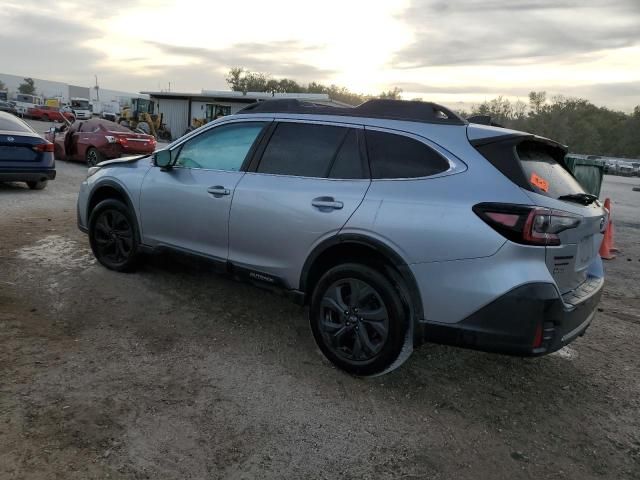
(398, 156)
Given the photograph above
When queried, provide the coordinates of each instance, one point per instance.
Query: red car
(96, 140)
(49, 114)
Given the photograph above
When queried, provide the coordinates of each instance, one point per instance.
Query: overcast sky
(445, 50)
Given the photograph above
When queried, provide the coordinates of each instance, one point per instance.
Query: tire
(376, 320)
(93, 157)
(41, 185)
(113, 235)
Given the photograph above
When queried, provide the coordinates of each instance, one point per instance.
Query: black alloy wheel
(359, 320)
(113, 235)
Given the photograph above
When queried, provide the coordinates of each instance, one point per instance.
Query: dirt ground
(176, 373)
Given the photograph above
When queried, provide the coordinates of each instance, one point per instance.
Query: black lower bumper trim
(27, 175)
(529, 320)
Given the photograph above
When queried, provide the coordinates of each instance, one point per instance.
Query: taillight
(43, 147)
(527, 225)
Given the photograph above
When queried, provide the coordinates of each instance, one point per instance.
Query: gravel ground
(176, 373)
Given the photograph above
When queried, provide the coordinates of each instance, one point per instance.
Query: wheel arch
(350, 247)
(110, 189)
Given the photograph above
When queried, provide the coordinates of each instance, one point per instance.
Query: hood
(119, 161)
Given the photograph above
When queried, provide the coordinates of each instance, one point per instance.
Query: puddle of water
(58, 251)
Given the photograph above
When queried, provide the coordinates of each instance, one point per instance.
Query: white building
(64, 91)
(180, 109)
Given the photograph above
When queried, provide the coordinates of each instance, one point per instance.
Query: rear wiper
(583, 198)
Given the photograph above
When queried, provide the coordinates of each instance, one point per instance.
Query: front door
(187, 206)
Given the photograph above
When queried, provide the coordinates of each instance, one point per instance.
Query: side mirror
(162, 159)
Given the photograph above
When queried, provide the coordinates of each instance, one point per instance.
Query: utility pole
(97, 89)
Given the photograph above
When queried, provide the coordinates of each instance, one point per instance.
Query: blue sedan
(24, 155)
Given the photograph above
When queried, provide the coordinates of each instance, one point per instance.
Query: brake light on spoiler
(526, 224)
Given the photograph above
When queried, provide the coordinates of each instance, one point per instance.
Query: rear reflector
(525, 224)
(43, 147)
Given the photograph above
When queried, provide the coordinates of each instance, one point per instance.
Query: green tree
(391, 94)
(27, 87)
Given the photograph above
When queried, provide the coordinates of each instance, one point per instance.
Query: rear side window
(544, 173)
(302, 149)
(13, 124)
(397, 156)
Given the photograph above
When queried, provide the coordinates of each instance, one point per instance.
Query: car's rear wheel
(93, 157)
(37, 185)
(113, 235)
(359, 321)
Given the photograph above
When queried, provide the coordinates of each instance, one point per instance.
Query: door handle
(326, 203)
(218, 191)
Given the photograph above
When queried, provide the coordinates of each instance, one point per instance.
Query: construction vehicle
(139, 116)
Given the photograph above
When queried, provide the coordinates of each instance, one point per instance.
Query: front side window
(398, 156)
(221, 148)
(302, 149)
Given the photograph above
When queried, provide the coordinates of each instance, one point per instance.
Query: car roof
(411, 111)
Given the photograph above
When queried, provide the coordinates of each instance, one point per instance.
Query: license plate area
(585, 252)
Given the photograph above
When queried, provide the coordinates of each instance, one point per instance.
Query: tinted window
(12, 124)
(221, 148)
(397, 156)
(349, 163)
(302, 149)
(544, 173)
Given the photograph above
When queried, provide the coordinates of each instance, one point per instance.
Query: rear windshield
(543, 172)
(13, 124)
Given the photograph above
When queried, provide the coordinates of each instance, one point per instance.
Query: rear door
(305, 184)
(572, 261)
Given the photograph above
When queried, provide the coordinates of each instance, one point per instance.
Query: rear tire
(359, 321)
(37, 185)
(113, 235)
(93, 157)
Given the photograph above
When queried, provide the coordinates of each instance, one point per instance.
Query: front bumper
(530, 320)
(27, 174)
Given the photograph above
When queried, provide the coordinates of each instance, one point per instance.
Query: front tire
(113, 235)
(359, 321)
(93, 157)
(37, 185)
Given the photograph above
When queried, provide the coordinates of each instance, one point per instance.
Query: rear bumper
(530, 320)
(27, 175)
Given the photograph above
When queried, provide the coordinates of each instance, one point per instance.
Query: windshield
(80, 104)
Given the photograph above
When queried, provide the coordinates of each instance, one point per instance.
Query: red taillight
(527, 225)
(537, 338)
(43, 147)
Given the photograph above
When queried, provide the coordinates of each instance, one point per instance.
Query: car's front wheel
(113, 235)
(359, 321)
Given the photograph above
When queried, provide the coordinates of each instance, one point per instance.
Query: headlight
(92, 171)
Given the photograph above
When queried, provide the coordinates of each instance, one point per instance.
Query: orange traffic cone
(607, 248)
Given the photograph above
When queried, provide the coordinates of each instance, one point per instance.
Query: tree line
(576, 122)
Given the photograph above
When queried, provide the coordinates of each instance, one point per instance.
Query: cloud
(500, 32)
(279, 58)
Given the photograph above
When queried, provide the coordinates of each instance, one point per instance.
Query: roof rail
(413, 111)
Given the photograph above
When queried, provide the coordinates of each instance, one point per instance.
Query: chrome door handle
(218, 191)
(327, 203)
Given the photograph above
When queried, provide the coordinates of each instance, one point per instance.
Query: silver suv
(396, 222)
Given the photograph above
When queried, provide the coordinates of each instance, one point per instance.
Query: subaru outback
(395, 222)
